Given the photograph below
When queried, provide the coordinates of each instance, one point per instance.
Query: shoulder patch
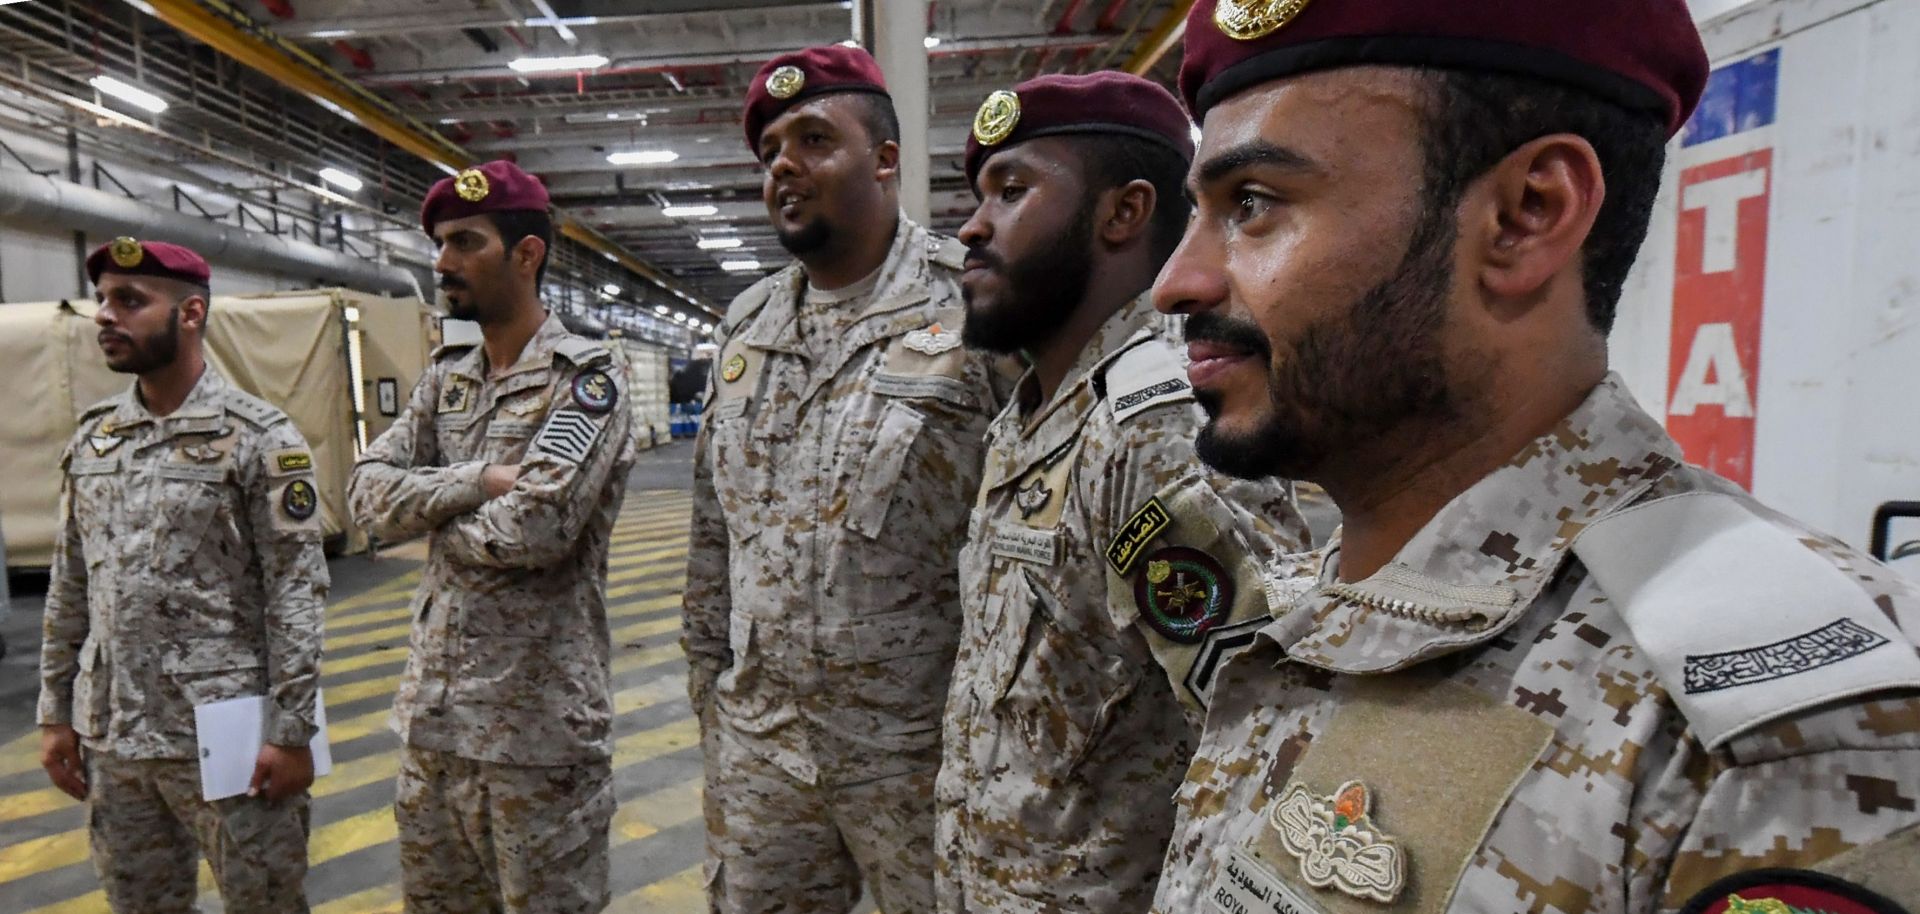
(1140, 529)
(1743, 623)
(255, 411)
(1143, 377)
(1788, 891)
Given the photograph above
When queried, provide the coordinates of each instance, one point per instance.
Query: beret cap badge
(1249, 20)
(126, 252)
(786, 82)
(472, 185)
(997, 118)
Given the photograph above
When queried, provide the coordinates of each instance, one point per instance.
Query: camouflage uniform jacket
(510, 653)
(831, 485)
(188, 570)
(1078, 690)
(1599, 680)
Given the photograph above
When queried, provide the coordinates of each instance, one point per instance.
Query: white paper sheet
(231, 733)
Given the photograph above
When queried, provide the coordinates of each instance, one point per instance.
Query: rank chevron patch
(568, 435)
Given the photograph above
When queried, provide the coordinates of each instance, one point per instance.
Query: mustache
(992, 260)
(106, 335)
(1209, 327)
(452, 282)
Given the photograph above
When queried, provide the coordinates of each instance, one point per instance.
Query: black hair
(878, 117)
(1475, 119)
(1109, 160)
(514, 225)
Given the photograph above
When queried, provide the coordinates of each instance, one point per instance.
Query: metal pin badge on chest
(1031, 497)
(934, 340)
(734, 369)
(594, 392)
(103, 444)
(1337, 843)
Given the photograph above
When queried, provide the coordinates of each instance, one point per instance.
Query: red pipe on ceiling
(1110, 17)
(1065, 25)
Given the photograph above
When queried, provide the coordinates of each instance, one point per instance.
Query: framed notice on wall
(389, 397)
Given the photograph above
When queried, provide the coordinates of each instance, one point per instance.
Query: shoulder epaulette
(447, 350)
(1743, 622)
(1144, 376)
(255, 411)
(582, 351)
(748, 303)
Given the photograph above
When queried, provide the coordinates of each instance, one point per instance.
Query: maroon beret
(1643, 54)
(1106, 101)
(790, 79)
(496, 187)
(147, 258)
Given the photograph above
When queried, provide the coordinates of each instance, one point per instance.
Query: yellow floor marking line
(682, 891)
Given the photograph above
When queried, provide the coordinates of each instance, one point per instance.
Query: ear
(1531, 215)
(887, 161)
(193, 311)
(527, 254)
(1128, 213)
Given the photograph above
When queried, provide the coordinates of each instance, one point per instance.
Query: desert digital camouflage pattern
(148, 818)
(832, 479)
(1072, 715)
(1597, 681)
(509, 660)
(480, 836)
(188, 570)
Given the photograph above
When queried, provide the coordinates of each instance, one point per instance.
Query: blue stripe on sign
(1740, 97)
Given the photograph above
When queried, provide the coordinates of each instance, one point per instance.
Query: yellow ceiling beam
(229, 31)
(1164, 38)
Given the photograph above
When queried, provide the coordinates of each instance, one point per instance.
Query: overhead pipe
(27, 198)
(1163, 38)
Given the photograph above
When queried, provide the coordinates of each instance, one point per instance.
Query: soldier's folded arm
(708, 601)
(397, 492)
(283, 511)
(561, 481)
(64, 622)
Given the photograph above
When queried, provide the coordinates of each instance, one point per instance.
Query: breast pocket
(192, 499)
(741, 465)
(883, 468)
(1061, 687)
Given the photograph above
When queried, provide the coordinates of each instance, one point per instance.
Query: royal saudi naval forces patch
(1788, 891)
(1183, 593)
(299, 499)
(594, 391)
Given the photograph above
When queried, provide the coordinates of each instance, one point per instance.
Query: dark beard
(807, 239)
(153, 354)
(1352, 376)
(1042, 290)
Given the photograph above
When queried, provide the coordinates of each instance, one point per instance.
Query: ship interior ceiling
(637, 137)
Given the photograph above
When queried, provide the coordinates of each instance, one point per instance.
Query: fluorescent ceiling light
(340, 178)
(558, 64)
(736, 266)
(719, 244)
(659, 309)
(643, 157)
(931, 41)
(330, 33)
(611, 288)
(336, 109)
(689, 211)
(679, 318)
(132, 95)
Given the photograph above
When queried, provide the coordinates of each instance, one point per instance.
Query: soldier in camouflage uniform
(841, 448)
(188, 571)
(1106, 574)
(511, 456)
(1546, 665)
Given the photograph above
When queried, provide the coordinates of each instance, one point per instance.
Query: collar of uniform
(1054, 425)
(538, 353)
(202, 411)
(1475, 567)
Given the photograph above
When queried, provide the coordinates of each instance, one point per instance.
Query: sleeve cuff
(54, 711)
(290, 732)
